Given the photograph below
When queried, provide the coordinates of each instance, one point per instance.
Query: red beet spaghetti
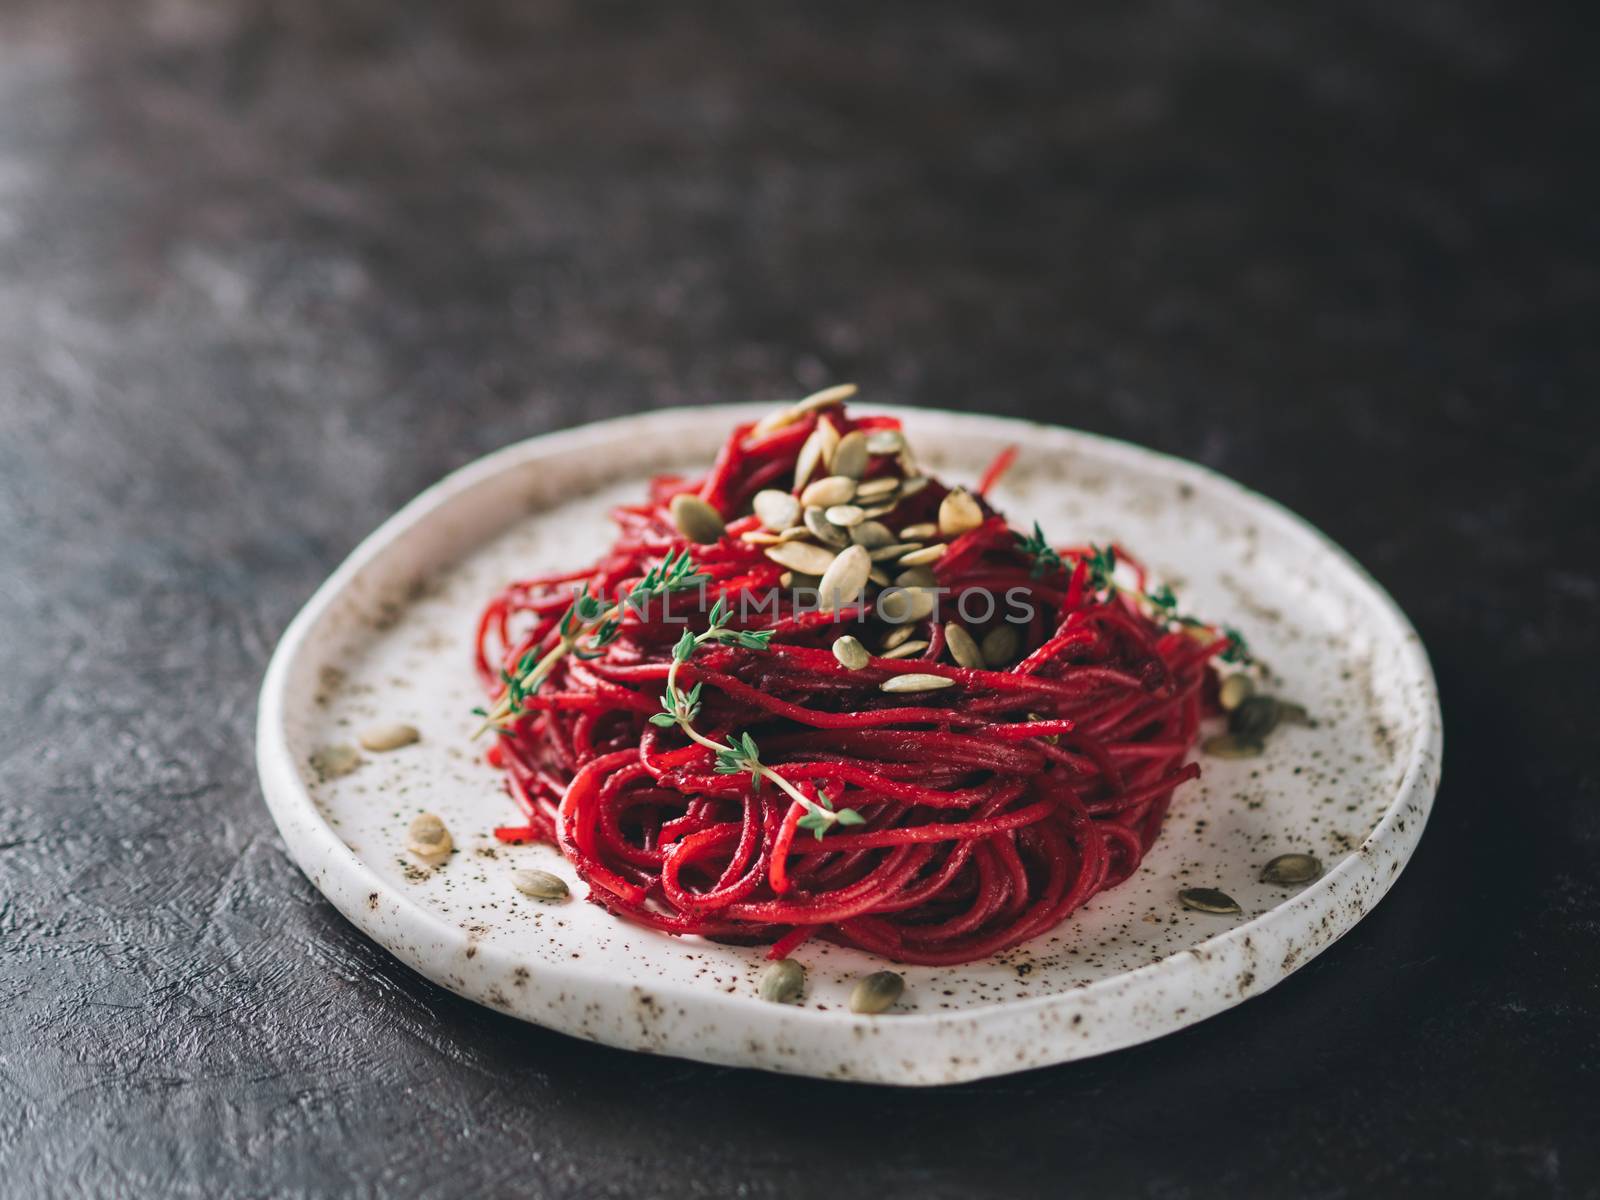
(867, 711)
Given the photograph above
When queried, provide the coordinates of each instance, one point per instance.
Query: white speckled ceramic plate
(387, 637)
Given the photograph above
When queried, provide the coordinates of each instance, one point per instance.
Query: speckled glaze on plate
(387, 639)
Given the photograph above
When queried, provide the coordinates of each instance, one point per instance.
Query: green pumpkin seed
(894, 550)
(1208, 900)
(961, 646)
(330, 762)
(872, 534)
(824, 530)
(912, 483)
(959, 512)
(897, 635)
(916, 577)
(1255, 717)
(828, 491)
(1291, 870)
(782, 982)
(541, 885)
(901, 606)
(850, 456)
(852, 655)
(1234, 691)
(696, 519)
(915, 683)
(920, 532)
(1293, 714)
(1000, 646)
(1232, 745)
(876, 993)
(776, 510)
(906, 649)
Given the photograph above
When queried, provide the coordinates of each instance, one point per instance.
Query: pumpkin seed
(809, 460)
(894, 550)
(330, 762)
(872, 489)
(845, 515)
(906, 649)
(776, 510)
(826, 398)
(1235, 690)
(844, 580)
(1293, 714)
(782, 982)
(872, 534)
(429, 839)
(760, 537)
(876, 992)
(1291, 870)
(915, 683)
(1000, 645)
(850, 456)
(696, 519)
(902, 606)
(388, 737)
(1230, 745)
(912, 483)
(916, 577)
(830, 440)
(825, 530)
(897, 635)
(873, 511)
(828, 491)
(790, 413)
(961, 646)
(927, 554)
(852, 655)
(959, 512)
(1255, 717)
(802, 557)
(879, 576)
(920, 532)
(1208, 900)
(541, 885)
(885, 441)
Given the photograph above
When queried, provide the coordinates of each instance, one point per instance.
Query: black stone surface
(269, 268)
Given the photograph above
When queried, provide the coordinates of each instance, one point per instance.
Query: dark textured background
(269, 268)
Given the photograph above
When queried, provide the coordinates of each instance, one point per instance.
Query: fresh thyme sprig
(821, 817)
(1102, 564)
(1161, 603)
(1038, 548)
(740, 753)
(588, 616)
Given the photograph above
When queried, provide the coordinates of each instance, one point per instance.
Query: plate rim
(288, 798)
